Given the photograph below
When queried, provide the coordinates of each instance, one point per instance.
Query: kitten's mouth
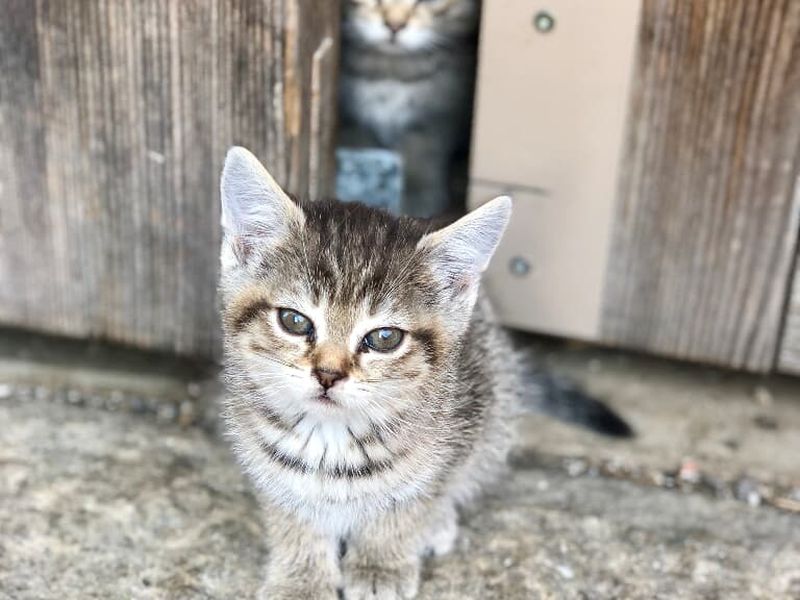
(325, 399)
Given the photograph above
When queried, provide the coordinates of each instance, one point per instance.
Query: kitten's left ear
(461, 252)
(255, 210)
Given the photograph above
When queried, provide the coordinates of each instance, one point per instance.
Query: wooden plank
(114, 119)
(789, 355)
(706, 224)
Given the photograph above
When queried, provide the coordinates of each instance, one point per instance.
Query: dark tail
(567, 402)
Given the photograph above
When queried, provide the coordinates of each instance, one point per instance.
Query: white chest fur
(385, 106)
(333, 474)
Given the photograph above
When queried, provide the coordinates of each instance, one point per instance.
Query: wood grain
(706, 224)
(115, 116)
(789, 355)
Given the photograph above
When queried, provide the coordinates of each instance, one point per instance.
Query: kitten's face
(403, 25)
(338, 311)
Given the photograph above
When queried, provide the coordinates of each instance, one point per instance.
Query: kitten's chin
(325, 399)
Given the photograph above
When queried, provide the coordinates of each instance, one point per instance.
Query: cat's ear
(255, 210)
(460, 252)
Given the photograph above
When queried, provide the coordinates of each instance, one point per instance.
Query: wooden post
(114, 119)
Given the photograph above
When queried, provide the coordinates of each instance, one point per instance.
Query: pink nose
(328, 378)
(394, 26)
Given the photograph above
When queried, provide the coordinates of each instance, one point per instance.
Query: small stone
(565, 571)
(508, 562)
(763, 396)
(167, 412)
(186, 413)
(116, 399)
(74, 397)
(747, 491)
(576, 468)
(689, 471)
(193, 389)
(41, 393)
(656, 566)
(543, 485)
(6, 391)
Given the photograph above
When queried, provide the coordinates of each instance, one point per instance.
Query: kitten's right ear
(255, 210)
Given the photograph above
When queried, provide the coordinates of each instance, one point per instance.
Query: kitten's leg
(426, 170)
(302, 564)
(442, 534)
(383, 558)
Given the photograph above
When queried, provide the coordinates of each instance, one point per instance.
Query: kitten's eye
(385, 339)
(295, 322)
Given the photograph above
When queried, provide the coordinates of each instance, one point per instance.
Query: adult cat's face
(403, 25)
(338, 311)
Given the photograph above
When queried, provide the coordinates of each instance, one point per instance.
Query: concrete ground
(115, 484)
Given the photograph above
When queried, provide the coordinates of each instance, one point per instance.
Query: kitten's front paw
(372, 583)
(285, 589)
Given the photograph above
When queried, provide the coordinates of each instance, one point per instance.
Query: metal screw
(519, 266)
(544, 22)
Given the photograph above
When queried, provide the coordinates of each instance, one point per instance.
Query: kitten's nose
(394, 26)
(328, 378)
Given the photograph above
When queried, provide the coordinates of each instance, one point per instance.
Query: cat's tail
(566, 401)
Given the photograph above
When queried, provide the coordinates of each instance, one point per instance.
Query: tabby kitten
(369, 391)
(407, 81)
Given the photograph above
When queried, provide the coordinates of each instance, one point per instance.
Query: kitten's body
(352, 443)
(411, 91)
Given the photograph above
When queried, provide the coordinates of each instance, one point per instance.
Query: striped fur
(380, 462)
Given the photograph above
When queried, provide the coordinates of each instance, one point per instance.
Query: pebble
(167, 412)
(747, 490)
(6, 391)
(689, 471)
(565, 571)
(576, 468)
(763, 396)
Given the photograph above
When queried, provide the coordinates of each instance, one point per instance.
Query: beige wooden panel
(706, 225)
(548, 130)
(114, 120)
(551, 297)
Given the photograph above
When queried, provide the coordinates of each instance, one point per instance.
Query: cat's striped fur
(378, 461)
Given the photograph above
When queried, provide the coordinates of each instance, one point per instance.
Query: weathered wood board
(705, 228)
(789, 355)
(115, 116)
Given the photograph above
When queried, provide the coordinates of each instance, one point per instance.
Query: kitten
(406, 83)
(370, 393)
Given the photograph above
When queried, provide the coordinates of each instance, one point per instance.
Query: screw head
(518, 266)
(544, 22)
